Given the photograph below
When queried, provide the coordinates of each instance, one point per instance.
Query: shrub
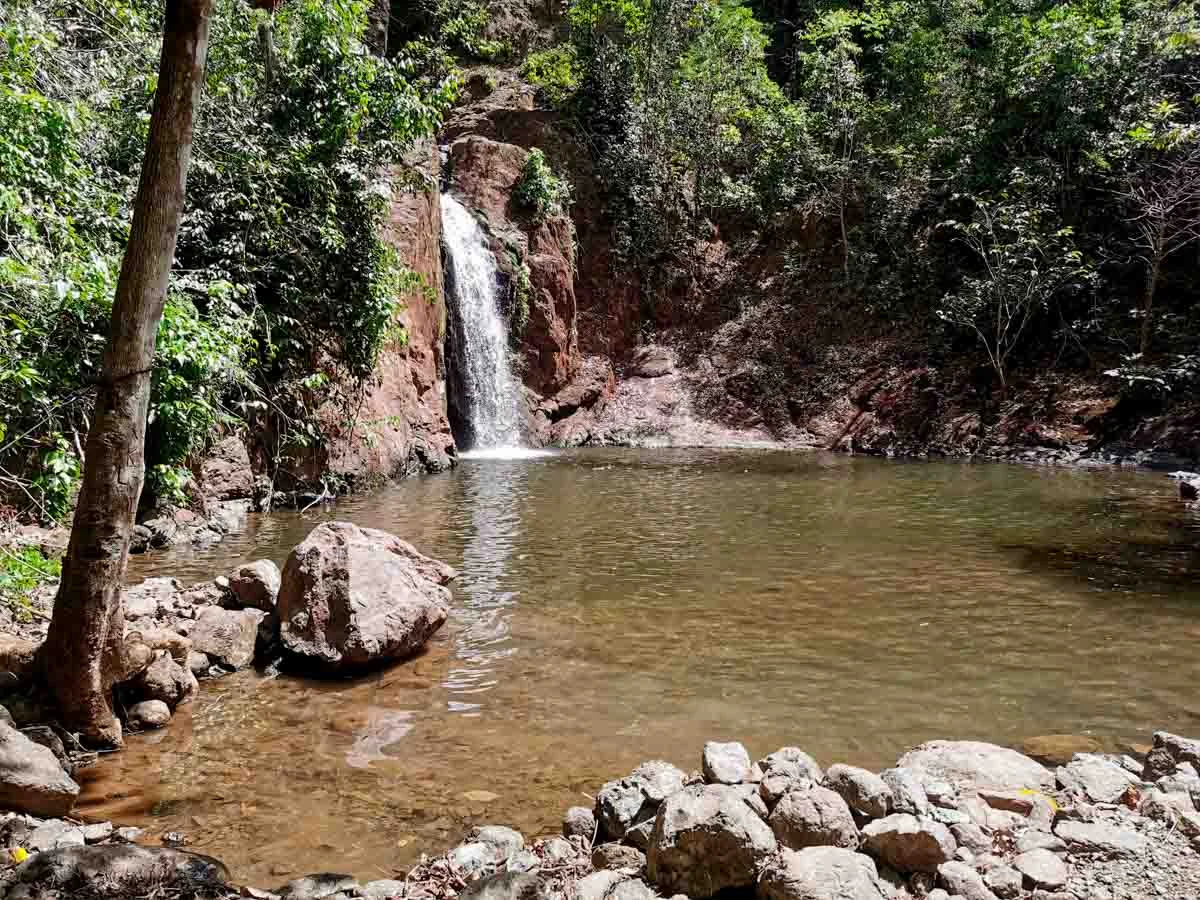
(554, 72)
(539, 190)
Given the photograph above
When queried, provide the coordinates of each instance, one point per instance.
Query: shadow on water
(616, 606)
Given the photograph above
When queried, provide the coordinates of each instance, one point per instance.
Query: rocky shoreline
(953, 820)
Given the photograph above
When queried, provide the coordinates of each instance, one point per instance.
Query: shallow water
(620, 605)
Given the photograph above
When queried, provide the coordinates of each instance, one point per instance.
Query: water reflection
(494, 492)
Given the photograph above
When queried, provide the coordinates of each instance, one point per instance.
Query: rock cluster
(954, 820)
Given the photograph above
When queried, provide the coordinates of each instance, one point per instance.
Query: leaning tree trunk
(84, 654)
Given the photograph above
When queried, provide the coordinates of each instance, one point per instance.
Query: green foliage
(554, 72)
(539, 190)
(281, 272)
(22, 571)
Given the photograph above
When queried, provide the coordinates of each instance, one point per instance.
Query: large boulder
(227, 636)
(31, 778)
(909, 844)
(813, 817)
(821, 873)
(969, 765)
(707, 839)
(354, 596)
(118, 871)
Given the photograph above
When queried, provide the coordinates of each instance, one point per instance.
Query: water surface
(621, 605)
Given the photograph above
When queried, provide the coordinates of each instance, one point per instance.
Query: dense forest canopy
(1014, 176)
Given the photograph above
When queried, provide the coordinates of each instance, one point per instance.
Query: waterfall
(485, 375)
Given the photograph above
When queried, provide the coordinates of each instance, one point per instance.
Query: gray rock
(100, 831)
(967, 765)
(1033, 839)
(864, 791)
(351, 597)
(813, 817)
(255, 586)
(1095, 778)
(1100, 837)
(383, 889)
(55, 833)
(149, 714)
(473, 859)
(318, 887)
(908, 796)
(796, 758)
(618, 856)
(639, 835)
(631, 801)
(1181, 749)
(506, 841)
(48, 738)
(117, 872)
(579, 822)
(909, 844)
(949, 817)
(633, 889)
(145, 599)
(782, 777)
(658, 780)
(597, 885)
(227, 637)
(707, 839)
(198, 663)
(1043, 868)
(556, 850)
(971, 836)
(31, 779)
(523, 861)
(1003, 881)
(727, 763)
(960, 878)
(821, 873)
(165, 680)
(158, 638)
(128, 834)
(749, 793)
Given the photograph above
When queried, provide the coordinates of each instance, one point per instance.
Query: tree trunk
(1148, 299)
(84, 654)
(379, 18)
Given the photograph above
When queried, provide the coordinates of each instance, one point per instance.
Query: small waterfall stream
(487, 384)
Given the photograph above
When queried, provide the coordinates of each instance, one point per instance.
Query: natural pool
(616, 606)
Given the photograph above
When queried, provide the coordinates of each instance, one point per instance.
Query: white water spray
(489, 388)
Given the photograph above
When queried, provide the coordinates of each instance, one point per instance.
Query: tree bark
(379, 18)
(1148, 298)
(84, 654)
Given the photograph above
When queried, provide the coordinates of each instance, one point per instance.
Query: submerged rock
(821, 873)
(31, 778)
(149, 714)
(119, 872)
(707, 839)
(355, 596)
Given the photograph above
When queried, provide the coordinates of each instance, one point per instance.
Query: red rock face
(401, 427)
(484, 174)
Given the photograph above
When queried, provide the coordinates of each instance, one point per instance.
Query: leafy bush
(22, 571)
(281, 273)
(539, 189)
(554, 72)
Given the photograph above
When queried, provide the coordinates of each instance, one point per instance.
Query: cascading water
(486, 381)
